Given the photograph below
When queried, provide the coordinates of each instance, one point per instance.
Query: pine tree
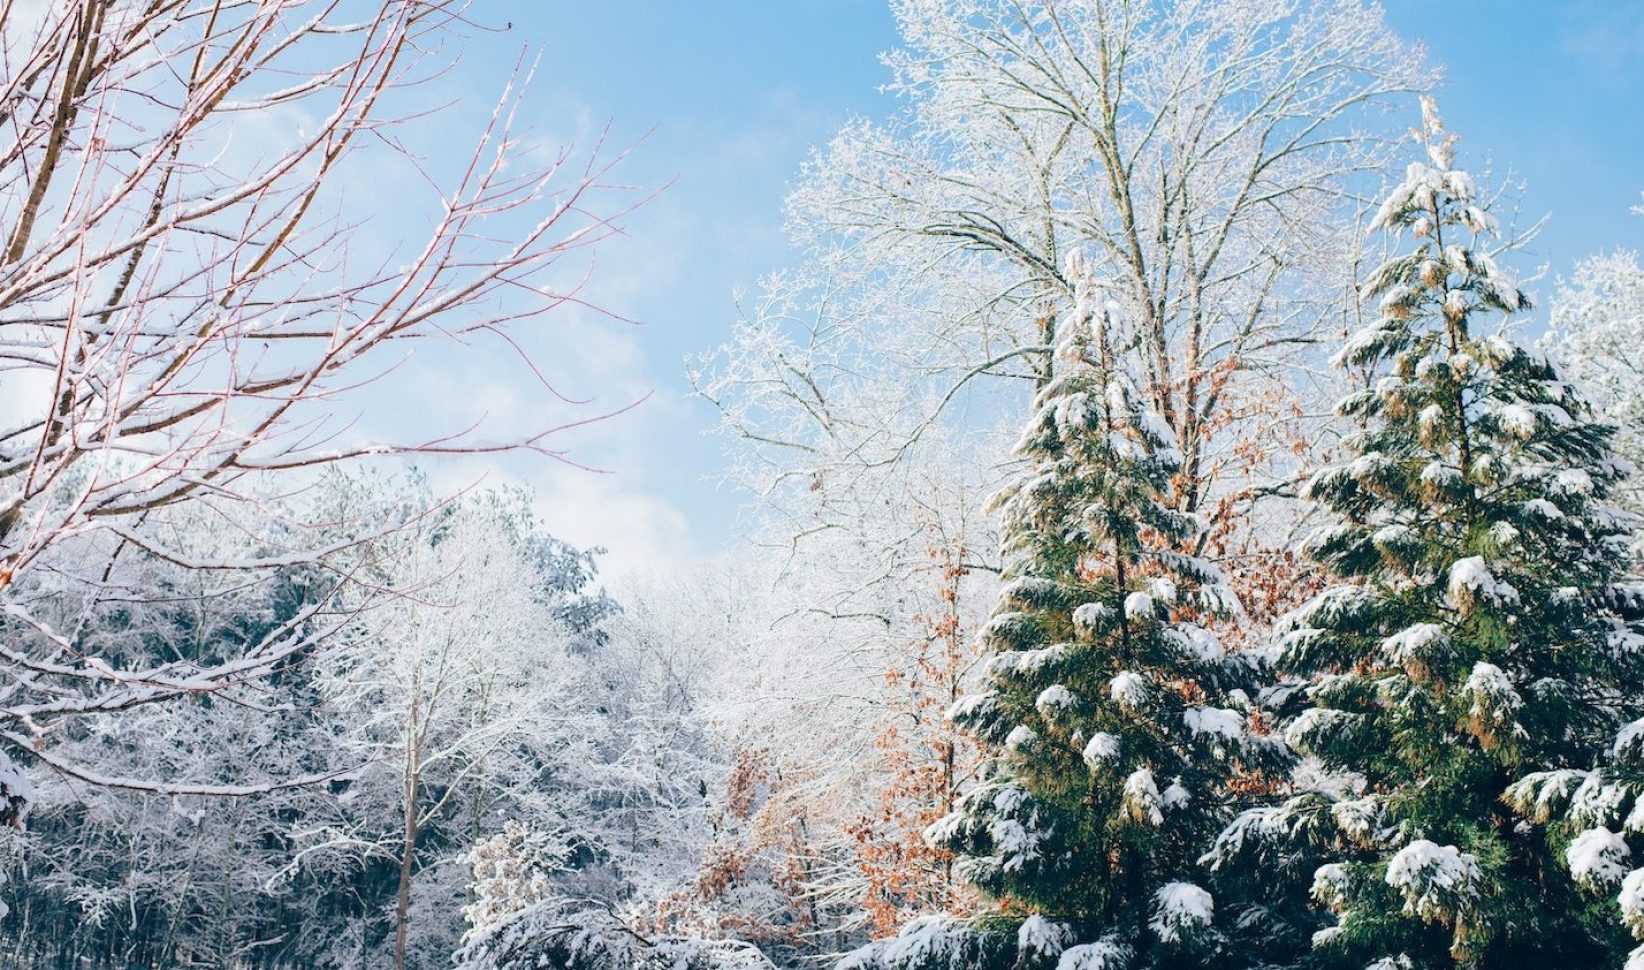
(1472, 638)
(1110, 719)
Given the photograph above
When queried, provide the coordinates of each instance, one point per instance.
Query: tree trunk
(408, 846)
(402, 904)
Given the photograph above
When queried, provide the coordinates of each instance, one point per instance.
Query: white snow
(1437, 881)
(1196, 642)
(1253, 826)
(1330, 886)
(1455, 303)
(1101, 749)
(1367, 466)
(925, 941)
(1459, 184)
(1437, 473)
(1623, 639)
(1140, 801)
(1471, 578)
(1358, 818)
(1596, 800)
(1312, 722)
(1055, 698)
(1089, 616)
(1631, 899)
(1017, 845)
(1541, 508)
(16, 791)
(1517, 419)
(944, 829)
(1480, 221)
(1328, 608)
(1022, 661)
(1108, 953)
(1129, 689)
(1573, 481)
(1597, 858)
(1042, 937)
(972, 704)
(1139, 606)
(1421, 642)
(1218, 721)
(1627, 740)
(1494, 696)
(1180, 911)
(1020, 738)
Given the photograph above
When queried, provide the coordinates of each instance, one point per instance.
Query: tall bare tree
(1207, 156)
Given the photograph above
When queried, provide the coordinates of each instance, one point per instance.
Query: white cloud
(639, 530)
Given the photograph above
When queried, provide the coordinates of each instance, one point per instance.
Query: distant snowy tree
(1597, 335)
(619, 824)
(187, 296)
(158, 876)
(1476, 634)
(930, 761)
(460, 693)
(1111, 718)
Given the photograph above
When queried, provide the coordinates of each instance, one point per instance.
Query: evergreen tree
(1111, 719)
(1474, 637)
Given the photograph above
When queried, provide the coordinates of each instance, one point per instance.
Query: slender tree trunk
(408, 845)
(402, 903)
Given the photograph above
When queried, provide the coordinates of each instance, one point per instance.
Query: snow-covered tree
(458, 693)
(1203, 152)
(617, 828)
(187, 296)
(1112, 720)
(930, 762)
(878, 386)
(1597, 336)
(1473, 636)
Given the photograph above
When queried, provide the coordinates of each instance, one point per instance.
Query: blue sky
(734, 93)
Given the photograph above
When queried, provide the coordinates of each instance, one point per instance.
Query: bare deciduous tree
(1205, 155)
(195, 272)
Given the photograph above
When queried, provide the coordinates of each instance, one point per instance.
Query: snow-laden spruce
(1109, 710)
(1479, 639)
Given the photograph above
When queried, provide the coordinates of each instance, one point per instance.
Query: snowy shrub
(935, 943)
(549, 935)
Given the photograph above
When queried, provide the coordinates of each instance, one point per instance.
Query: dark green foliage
(1473, 640)
(1113, 718)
